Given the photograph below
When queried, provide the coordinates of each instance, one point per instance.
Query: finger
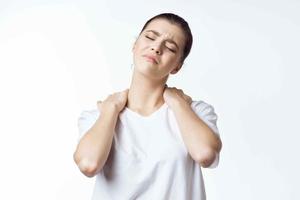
(187, 97)
(190, 99)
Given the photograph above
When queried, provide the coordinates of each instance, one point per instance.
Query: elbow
(208, 158)
(86, 166)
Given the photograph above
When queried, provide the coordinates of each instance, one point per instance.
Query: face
(158, 50)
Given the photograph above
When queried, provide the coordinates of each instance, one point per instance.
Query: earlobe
(174, 71)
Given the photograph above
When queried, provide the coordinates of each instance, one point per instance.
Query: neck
(145, 94)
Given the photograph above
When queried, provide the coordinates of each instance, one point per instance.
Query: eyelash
(167, 47)
(149, 38)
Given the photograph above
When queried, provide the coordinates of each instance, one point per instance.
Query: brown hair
(175, 19)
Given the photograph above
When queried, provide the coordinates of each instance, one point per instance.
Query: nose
(156, 48)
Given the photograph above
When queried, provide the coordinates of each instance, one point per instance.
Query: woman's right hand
(116, 101)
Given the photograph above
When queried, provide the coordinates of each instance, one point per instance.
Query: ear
(176, 69)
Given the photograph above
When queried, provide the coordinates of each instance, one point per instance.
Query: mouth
(151, 59)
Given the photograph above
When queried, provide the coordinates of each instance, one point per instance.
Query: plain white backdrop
(58, 58)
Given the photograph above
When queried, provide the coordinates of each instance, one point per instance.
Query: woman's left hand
(172, 96)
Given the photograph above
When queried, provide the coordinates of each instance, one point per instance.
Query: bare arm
(93, 149)
(202, 144)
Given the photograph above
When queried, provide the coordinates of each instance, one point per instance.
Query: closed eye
(171, 50)
(149, 37)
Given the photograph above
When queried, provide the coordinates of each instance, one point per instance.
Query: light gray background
(58, 58)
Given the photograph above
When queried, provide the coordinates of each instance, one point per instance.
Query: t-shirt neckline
(162, 107)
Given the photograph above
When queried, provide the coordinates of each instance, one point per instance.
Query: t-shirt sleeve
(206, 112)
(86, 120)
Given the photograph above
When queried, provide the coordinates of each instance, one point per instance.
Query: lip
(151, 58)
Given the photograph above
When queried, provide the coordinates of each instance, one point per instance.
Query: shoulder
(86, 120)
(206, 112)
(89, 114)
(202, 106)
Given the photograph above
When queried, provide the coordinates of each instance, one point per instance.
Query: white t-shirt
(148, 159)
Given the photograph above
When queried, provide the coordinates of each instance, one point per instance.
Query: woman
(150, 141)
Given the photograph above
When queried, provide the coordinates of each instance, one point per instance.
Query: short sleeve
(206, 112)
(86, 120)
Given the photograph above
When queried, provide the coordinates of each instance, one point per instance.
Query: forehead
(167, 30)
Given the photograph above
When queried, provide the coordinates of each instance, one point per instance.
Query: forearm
(199, 139)
(94, 147)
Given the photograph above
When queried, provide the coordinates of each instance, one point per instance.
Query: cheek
(138, 48)
(173, 60)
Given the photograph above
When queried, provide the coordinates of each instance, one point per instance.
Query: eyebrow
(158, 34)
